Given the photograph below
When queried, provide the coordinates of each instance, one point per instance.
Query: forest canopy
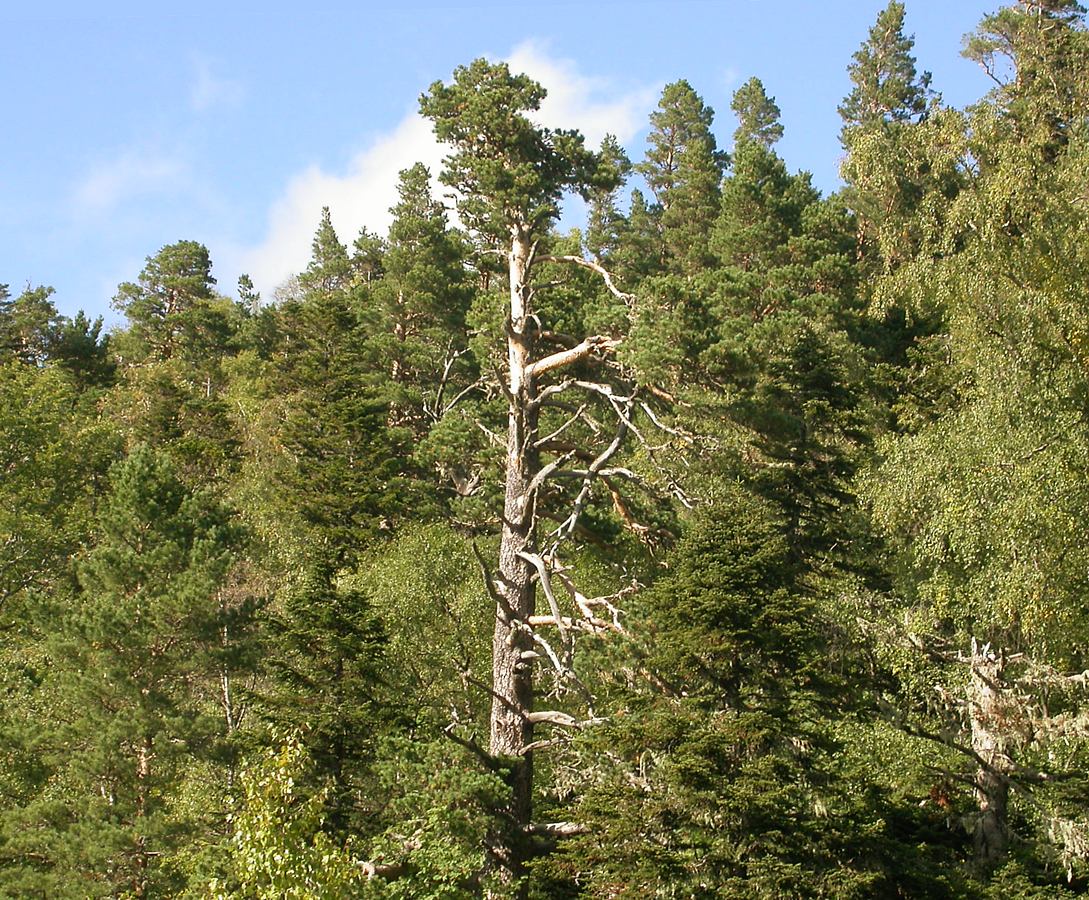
(732, 544)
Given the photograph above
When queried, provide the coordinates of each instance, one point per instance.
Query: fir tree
(717, 777)
(326, 662)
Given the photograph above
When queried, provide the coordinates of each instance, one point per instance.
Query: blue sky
(127, 126)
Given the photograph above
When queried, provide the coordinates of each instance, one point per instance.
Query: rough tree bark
(509, 174)
(988, 721)
(511, 730)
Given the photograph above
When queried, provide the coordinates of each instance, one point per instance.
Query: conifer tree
(345, 474)
(510, 175)
(78, 345)
(887, 88)
(329, 270)
(683, 168)
(325, 659)
(714, 774)
(161, 304)
(757, 115)
(171, 361)
(27, 324)
(886, 176)
(604, 220)
(417, 308)
(131, 651)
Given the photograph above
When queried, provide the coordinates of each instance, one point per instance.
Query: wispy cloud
(132, 173)
(363, 192)
(731, 78)
(210, 90)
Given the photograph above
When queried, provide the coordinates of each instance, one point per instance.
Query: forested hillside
(734, 545)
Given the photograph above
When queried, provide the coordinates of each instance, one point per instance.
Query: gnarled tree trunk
(512, 676)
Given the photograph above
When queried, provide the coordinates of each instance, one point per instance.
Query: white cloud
(362, 194)
(210, 90)
(131, 174)
(574, 100)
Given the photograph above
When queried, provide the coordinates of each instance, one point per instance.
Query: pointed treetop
(416, 209)
(329, 269)
(887, 87)
(248, 295)
(757, 115)
(682, 120)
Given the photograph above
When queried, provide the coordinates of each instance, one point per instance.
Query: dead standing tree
(509, 175)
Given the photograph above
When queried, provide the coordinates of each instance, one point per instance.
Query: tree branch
(593, 267)
(594, 344)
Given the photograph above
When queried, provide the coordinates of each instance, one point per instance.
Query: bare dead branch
(500, 600)
(546, 472)
(544, 577)
(593, 267)
(586, 348)
(590, 623)
(557, 829)
(560, 719)
(470, 744)
(566, 528)
(543, 443)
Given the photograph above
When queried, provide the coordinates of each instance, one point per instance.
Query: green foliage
(795, 704)
(52, 453)
(757, 115)
(711, 777)
(345, 468)
(981, 496)
(132, 652)
(329, 270)
(443, 808)
(505, 167)
(683, 168)
(164, 304)
(427, 589)
(278, 850)
(887, 88)
(415, 312)
(326, 662)
(27, 324)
